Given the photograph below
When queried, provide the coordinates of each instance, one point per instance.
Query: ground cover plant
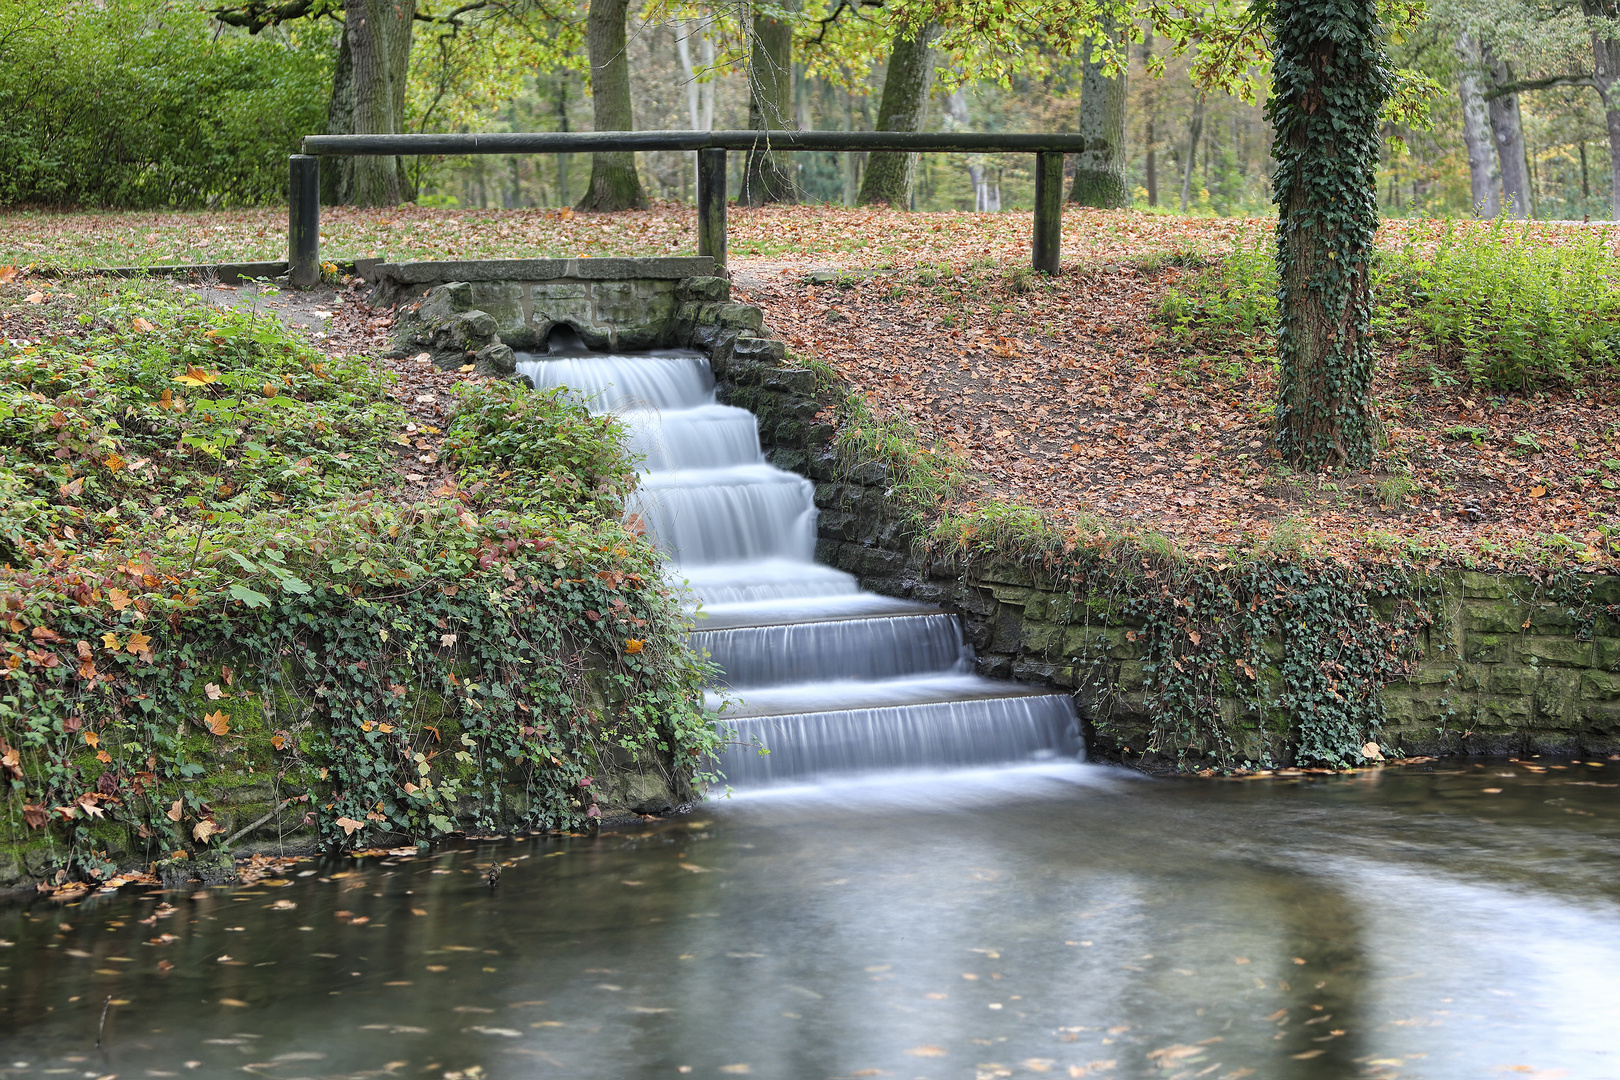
(224, 588)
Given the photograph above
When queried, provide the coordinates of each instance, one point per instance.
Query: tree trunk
(1150, 103)
(379, 33)
(890, 177)
(1605, 73)
(614, 184)
(1330, 79)
(1195, 133)
(767, 175)
(1099, 169)
(337, 173)
(562, 125)
(1507, 130)
(1484, 177)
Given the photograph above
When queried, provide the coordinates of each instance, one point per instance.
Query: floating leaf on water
(233, 1002)
(927, 1051)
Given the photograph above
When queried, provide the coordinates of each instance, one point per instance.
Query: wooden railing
(304, 203)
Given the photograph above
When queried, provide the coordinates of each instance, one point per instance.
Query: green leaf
(250, 597)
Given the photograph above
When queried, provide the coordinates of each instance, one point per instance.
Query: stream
(1454, 919)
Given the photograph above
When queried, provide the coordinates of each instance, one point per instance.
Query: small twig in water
(101, 1029)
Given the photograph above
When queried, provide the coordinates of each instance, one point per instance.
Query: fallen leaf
(348, 825)
(137, 643)
(218, 722)
(206, 828)
(142, 325)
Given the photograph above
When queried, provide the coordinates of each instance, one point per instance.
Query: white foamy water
(827, 679)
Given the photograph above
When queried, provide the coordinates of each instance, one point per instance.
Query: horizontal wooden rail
(580, 142)
(303, 209)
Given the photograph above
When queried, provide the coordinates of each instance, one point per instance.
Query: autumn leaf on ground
(138, 643)
(218, 722)
(348, 825)
(633, 645)
(110, 640)
(175, 812)
(73, 488)
(196, 376)
(91, 739)
(213, 692)
(205, 828)
(142, 325)
(113, 462)
(119, 599)
(35, 297)
(8, 274)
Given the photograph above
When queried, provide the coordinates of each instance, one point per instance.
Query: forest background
(155, 103)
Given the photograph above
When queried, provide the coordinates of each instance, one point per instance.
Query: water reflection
(1059, 920)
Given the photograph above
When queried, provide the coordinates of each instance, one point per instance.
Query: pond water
(1460, 919)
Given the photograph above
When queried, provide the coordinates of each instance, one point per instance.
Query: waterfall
(819, 677)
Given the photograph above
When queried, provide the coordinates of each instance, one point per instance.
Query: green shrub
(1507, 306)
(535, 448)
(129, 103)
(1513, 308)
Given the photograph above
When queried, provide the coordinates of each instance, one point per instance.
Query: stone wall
(1505, 668)
(482, 312)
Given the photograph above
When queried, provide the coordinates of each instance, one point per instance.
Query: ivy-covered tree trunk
(889, 176)
(767, 174)
(1099, 169)
(1484, 178)
(614, 184)
(1330, 80)
(379, 33)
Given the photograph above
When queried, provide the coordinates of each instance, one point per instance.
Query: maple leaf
(633, 645)
(35, 297)
(35, 816)
(91, 739)
(278, 740)
(87, 669)
(8, 274)
(119, 599)
(110, 640)
(213, 692)
(175, 811)
(217, 722)
(196, 376)
(204, 829)
(104, 757)
(166, 400)
(89, 806)
(447, 640)
(138, 643)
(72, 488)
(113, 462)
(142, 325)
(349, 825)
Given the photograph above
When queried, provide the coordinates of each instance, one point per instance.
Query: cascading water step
(956, 733)
(822, 697)
(876, 648)
(828, 678)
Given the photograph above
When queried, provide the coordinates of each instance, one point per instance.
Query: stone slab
(671, 268)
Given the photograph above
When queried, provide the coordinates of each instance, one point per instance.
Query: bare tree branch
(1521, 85)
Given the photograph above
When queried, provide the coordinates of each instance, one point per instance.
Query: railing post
(1048, 239)
(711, 205)
(304, 220)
